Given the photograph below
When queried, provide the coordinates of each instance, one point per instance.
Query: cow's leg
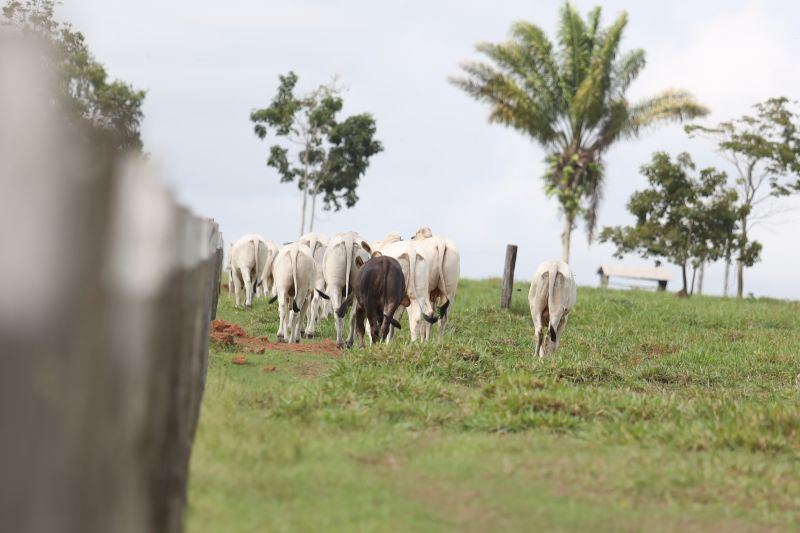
(351, 337)
(398, 315)
(298, 319)
(414, 316)
(368, 328)
(237, 284)
(444, 313)
(360, 313)
(311, 316)
(383, 323)
(283, 307)
(248, 287)
(536, 315)
(336, 296)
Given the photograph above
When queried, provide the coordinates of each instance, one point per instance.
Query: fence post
(100, 394)
(508, 276)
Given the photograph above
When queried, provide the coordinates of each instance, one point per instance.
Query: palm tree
(571, 100)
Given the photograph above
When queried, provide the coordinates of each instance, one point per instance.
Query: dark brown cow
(379, 291)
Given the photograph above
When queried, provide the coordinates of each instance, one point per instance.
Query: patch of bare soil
(232, 335)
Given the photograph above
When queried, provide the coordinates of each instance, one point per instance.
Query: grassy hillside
(659, 413)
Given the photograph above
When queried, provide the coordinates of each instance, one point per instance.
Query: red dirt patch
(228, 334)
(269, 369)
(239, 360)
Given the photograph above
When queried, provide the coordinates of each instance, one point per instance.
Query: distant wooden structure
(658, 274)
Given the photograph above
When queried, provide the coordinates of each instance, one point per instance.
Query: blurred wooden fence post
(105, 345)
(508, 276)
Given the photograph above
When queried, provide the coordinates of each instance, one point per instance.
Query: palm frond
(509, 103)
(672, 105)
(575, 48)
(626, 70)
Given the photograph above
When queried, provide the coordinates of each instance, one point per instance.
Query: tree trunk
(740, 262)
(694, 273)
(565, 237)
(739, 278)
(685, 283)
(700, 278)
(303, 211)
(313, 209)
(726, 278)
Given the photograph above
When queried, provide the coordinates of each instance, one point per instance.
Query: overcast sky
(206, 64)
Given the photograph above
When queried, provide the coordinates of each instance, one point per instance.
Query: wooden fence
(107, 288)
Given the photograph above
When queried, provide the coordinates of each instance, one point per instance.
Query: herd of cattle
(314, 277)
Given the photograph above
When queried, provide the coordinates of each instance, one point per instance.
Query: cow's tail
(412, 284)
(446, 305)
(343, 308)
(555, 317)
(267, 273)
(348, 252)
(295, 307)
(256, 277)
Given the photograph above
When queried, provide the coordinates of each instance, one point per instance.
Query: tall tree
(686, 220)
(571, 99)
(329, 156)
(764, 149)
(110, 106)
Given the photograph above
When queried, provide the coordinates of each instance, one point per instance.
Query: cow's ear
(359, 262)
(366, 247)
(376, 253)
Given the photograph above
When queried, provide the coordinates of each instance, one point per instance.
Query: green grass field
(658, 414)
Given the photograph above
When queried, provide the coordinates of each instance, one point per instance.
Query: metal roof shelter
(658, 274)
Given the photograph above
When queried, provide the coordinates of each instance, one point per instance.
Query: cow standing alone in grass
(552, 297)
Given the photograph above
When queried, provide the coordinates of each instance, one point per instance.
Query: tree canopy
(110, 106)
(330, 156)
(764, 149)
(570, 97)
(684, 219)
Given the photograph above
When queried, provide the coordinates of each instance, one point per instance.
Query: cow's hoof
(349, 344)
(297, 341)
(339, 344)
(302, 333)
(309, 335)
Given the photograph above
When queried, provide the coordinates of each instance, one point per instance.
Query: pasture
(659, 413)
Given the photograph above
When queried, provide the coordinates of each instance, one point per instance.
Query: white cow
(248, 256)
(345, 254)
(267, 282)
(416, 272)
(317, 243)
(444, 264)
(390, 238)
(294, 272)
(552, 297)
